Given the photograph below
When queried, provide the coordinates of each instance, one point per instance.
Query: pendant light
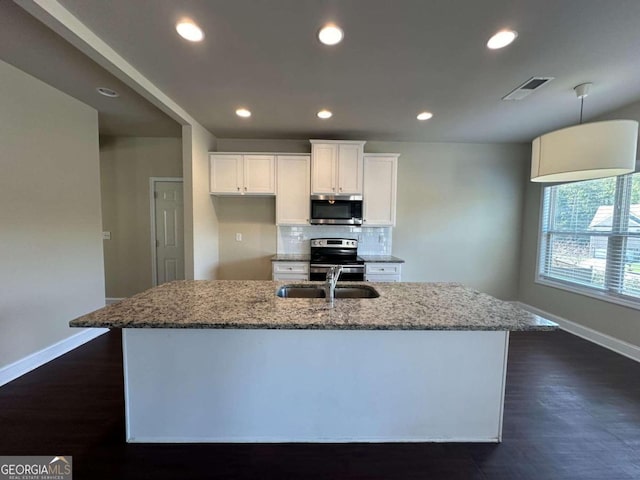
(585, 151)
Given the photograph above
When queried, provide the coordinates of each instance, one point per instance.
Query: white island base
(236, 385)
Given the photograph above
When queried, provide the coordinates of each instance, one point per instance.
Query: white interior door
(169, 231)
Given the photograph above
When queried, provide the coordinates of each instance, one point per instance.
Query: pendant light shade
(586, 151)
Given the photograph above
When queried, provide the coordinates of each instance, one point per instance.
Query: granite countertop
(253, 304)
(291, 257)
(381, 259)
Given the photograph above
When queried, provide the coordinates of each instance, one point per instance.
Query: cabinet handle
(340, 188)
(333, 188)
(238, 188)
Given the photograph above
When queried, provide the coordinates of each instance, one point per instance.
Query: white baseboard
(37, 359)
(112, 300)
(619, 346)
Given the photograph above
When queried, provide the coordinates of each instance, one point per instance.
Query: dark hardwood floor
(572, 412)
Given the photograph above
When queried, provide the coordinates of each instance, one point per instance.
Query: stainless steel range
(326, 252)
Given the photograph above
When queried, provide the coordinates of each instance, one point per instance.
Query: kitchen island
(229, 361)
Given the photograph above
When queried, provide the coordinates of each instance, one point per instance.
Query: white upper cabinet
(336, 167)
(379, 197)
(292, 189)
(242, 174)
(226, 173)
(259, 174)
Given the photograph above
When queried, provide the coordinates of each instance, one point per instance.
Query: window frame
(607, 294)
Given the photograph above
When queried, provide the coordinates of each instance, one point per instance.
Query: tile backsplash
(371, 240)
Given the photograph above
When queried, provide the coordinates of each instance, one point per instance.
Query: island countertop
(253, 304)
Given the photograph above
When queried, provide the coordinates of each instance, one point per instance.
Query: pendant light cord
(581, 108)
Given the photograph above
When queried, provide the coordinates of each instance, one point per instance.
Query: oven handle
(345, 268)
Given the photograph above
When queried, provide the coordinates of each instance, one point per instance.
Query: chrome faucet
(330, 284)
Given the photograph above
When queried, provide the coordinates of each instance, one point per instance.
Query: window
(590, 237)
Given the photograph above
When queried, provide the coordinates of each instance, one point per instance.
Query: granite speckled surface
(253, 304)
(381, 259)
(291, 257)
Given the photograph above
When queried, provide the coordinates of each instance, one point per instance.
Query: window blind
(590, 235)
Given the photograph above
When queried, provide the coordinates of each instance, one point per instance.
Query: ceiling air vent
(528, 87)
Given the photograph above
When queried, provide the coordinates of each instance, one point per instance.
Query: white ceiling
(34, 48)
(398, 58)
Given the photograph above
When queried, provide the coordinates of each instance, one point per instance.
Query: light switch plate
(106, 235)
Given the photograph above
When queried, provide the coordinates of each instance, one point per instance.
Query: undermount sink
(317, 291)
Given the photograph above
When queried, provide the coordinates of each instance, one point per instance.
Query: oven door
(353, 273)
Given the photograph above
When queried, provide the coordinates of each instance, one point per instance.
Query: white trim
(152, 209)
(619, 346)
(588, 292)
(37, 359)
(112, 300)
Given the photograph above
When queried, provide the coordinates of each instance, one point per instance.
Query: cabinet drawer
(381, 278)
(290, 277)
(290, 267)
(383, 268)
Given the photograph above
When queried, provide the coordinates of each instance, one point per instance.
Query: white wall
(126, 164)
(200, 222)
(50, 221)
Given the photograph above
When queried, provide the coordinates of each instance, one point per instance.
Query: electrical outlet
(238, 237)
(106, 235)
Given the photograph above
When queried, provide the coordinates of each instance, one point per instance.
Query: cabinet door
(349, 169)
(226, 175)
(379, 197)
(292, 192)
(259, 174)
(323, 168)
(290, 271)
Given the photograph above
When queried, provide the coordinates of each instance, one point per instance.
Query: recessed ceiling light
(107, 92)
(330, 34)
(324, 114)
(243, 112)
(502, 39)
(424, 116)
(189, 31)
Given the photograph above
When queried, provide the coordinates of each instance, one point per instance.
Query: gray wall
(200, 219)
(126, 164)
(617, 321)
(253, 217)
(50, 234)
(459, 213)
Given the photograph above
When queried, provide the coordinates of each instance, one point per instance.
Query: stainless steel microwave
(336, 210)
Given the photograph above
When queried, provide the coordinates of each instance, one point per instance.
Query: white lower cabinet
(382, 272)
(290, 271)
